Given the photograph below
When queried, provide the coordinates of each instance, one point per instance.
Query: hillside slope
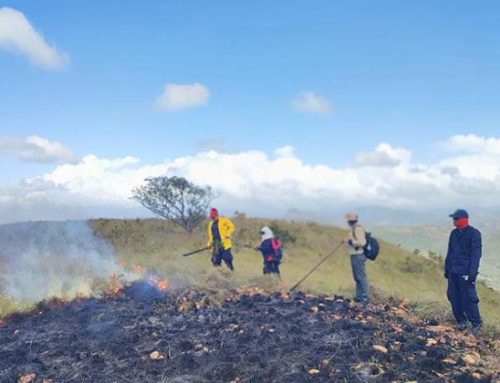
(398, 273)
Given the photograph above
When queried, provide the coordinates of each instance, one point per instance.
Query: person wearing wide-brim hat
(356, 242)
(461, 269)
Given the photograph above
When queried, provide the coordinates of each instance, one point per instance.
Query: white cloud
(102, 180)
(35, 149)
(383, 156)
(285, 151)
(257, 183)
(471, 143)
(309, 102)
(17, 35)
(176, 97)
(475, 159)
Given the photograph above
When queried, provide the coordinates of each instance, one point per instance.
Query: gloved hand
(472, 278)
(349, 242)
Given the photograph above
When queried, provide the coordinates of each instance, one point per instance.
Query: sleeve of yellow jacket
(226, 230)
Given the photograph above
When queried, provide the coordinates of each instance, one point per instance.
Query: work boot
(363, 302)
(462, 326)
(476, 330)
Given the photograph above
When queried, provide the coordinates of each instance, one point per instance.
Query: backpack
(372, 247)
(278, 249)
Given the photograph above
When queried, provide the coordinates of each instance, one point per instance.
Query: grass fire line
(117, 282)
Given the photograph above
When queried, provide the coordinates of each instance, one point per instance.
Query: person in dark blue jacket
(461, 269)
(270, 248)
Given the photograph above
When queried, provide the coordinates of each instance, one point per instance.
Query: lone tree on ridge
(175, 199)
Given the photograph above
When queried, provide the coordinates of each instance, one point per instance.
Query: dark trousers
(464, 300)
(359, 274)
(220, 255)
(271, 267)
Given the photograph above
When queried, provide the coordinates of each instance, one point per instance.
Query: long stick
(316, 266)
(195, 252)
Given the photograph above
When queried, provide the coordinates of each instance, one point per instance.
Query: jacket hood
(266, 233)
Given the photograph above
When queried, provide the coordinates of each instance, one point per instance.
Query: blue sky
(412, 74)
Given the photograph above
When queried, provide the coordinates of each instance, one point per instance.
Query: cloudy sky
(277, 105)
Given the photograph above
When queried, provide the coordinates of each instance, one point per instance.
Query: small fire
(151, 277)
(160, 284)
(117, 282)
(115, 285)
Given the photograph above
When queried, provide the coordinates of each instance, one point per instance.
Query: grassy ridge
(397, 273)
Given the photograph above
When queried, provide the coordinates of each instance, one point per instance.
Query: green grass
(397, 273)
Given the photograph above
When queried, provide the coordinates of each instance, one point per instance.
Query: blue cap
(460, 213)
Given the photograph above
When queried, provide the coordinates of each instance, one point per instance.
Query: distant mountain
(387, 216)
(426, 230)
(435, 239)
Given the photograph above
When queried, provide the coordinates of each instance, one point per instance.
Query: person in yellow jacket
(220, 230)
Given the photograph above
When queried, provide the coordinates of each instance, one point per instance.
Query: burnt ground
(141, 336)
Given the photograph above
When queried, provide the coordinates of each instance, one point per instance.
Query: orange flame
(160, 284)
(115, 285)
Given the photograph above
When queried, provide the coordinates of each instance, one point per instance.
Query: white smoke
(46, 259)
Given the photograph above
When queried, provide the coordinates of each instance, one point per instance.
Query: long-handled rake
(317, 265)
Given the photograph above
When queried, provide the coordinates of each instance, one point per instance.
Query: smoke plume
(46, 259)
